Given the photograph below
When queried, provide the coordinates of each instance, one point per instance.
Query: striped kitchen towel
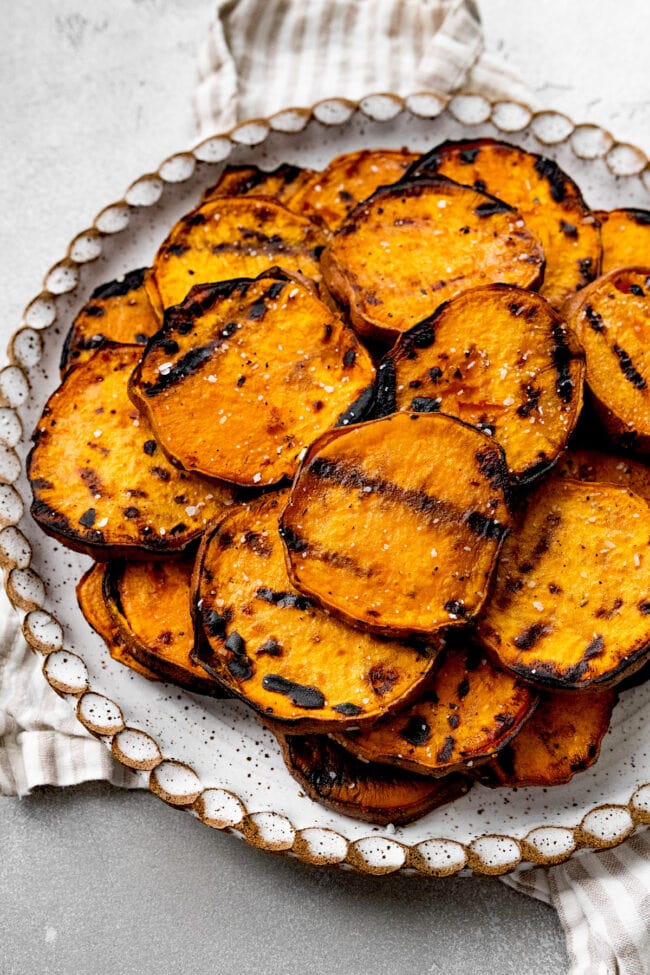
(603, 902)
(256, 49)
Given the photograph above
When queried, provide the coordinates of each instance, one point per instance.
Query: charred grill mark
(446, 751)
(569, 229)
(195, 219)
(531, 403)
(416, 731)
(239, 664)
(382, 679)
(258, 543)
(41, 484)
(564, 385)
(257, 310)
(270, 648)
(350, 477)
(88, 518)
(644, 608)
(348, 709)
(160, 473)
(463, 688)
(302, 695)
(122, 286)
(185, 367)
(94, 311)
(551, 172)
(176, 250)
(425, 404)
(491, 208)
(214, 623)
(491, 466)
(637, 290)
(269, 244)
(349, 358)
(594, 319)
(292, 540)
(386, 386)
(468, 156)
(284, 600)
(605, 613)
(628, 369)
(453, 721)
(593, 649)
(92, 480)
(422, 335)
(358, 409)
(529, 637)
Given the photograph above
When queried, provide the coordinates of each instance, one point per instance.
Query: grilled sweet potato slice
(101, 484)
(331, 196)
(281, 184)
(364, 790)
(592, 465)
(119, 311)
(612, 321)
(396, 524)
(547, 198)
(571, 602)
(279, 652)
(90, 596)
(412, 246)
(499, 358)
(233, 237)
(625, 237)
(562, 737)
(149, 603)
(246, 373)
(469, 710)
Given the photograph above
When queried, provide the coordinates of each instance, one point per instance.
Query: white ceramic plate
(212, 756)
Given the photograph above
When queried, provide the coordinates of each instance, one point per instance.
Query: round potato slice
(414, 245)
(499, 358)
(100, 482)
(245, 373)
(149, 603)
(281, 183)
(277, 650)
(593, 465)
(563, 737)
(364, 790)
(625, 236)
(118, 311)
(611, 318)
(395, 525)
(90, 596)
(331, 196)
(571, 602)
(547, 198)
(232, 237)
(468, 712)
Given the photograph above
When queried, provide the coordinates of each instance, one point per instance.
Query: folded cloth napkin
(254, 52)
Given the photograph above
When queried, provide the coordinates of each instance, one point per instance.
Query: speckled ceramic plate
(212, 756)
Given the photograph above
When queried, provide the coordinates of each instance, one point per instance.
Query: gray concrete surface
(96, 881)
(101, 882)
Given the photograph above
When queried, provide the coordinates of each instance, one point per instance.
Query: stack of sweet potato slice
(331, 454)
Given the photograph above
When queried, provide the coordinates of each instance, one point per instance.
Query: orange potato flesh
(364, 790)
(500, 359)
(100, 482)
(592, 465)
(625, 236)
(468, 712)
(282, 183)
(332, 195)
(563, 737)
(415, 245)
(547, 198)
(119, 311)
(233, 237)
(571, 601)
(278, 651)
(149, 602)
(246, 373)
(90, 596)
(612, 321)
(396, 524)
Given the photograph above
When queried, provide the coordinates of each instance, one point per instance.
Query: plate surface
(212, 756)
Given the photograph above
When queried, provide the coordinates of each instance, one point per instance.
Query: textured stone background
(97, 881)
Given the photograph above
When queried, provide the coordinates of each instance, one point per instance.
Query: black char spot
(531, 635)
(416, 731)
(114, 289)
(425, 404)
(628, 369)
(594, 319)
(303, 696)
(213, 623)
(385, 398)
(284, 600)
(150, 447)
(88, 518)
(358, 409)
(551, 172)
(292, 540)
(491, 208)
(445, 752)
(348, 709)
(468, 156)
